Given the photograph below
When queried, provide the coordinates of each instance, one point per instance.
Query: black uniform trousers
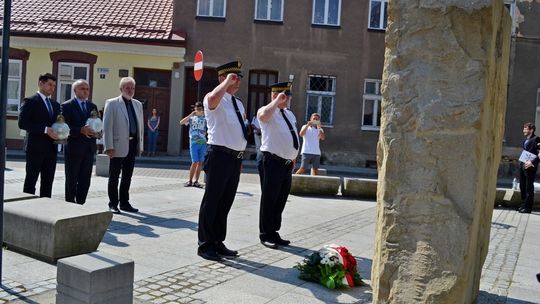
(276, 185)
(78, 174)
(123, 165)
(526, 186)
(222, 173)
(42, 162)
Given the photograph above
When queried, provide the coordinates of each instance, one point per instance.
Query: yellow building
(121, 38)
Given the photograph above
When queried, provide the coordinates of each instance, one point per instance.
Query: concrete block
(512, 198)
(95, 278)
(102, 165)
(322, 172)
(360, 188)
(315, 185)
(50, 229)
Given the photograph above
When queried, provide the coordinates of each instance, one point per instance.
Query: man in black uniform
(227, 139)
(279, 148)
(528, 169)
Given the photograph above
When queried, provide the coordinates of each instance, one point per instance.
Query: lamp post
(3, 103)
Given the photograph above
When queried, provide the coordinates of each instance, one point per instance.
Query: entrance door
(259, 90)
(154, 91)
(208, 82)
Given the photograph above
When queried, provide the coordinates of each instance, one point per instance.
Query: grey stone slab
(315, 185)
(360, 188)
(52, 229)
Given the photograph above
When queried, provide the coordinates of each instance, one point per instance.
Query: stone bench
(102, 165)
(359, 188)
(94, 278)
(512, 198)
(315, 185)
(50, 229)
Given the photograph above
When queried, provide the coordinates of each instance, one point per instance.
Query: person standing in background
(153, 132)
(81, 143)
(38, 113)
(312, 133)
(527, 171)
(197, 143)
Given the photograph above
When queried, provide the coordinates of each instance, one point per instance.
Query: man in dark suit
(122, 141)
(81, 143)
(37, 115)
(528, 169)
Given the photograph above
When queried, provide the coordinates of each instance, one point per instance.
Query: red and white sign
(198, 66)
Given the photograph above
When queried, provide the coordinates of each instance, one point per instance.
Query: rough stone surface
(315, 185)
(444, 101)
(51, 229)
(95, 278)
(359, 188)
(102, 165)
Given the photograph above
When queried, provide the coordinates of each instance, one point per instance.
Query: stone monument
(444, 102)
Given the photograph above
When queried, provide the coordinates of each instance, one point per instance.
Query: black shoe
(269, 244)
(226, 252)
(128, 208)
(524, 210)
(209, 255)
(282, 242)
(114, 209)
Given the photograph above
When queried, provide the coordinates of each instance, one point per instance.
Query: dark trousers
(276, 185)
(222, 173)
(526, 186)
(125, 166)
(43, 163)
(78, 174)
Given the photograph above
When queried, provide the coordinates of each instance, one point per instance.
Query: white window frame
(326, 8)
(512, 4)
(18, 78)
(211, 10)
(377, 98)
(62, 81)
(320, 95)
(269, 10)
(384, 4)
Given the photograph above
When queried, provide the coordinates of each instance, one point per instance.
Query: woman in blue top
(153, 132)
(197, 143)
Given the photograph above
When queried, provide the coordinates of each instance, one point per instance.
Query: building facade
(332, 51)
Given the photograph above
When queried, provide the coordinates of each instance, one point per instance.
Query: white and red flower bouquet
(333, 266)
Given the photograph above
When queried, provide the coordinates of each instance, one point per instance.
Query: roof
(117, 19)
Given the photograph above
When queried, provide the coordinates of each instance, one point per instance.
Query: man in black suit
(81, 143)
(528, 169)
(37, 115)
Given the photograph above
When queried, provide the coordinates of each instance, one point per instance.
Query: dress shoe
(209, 255)
(128, 208)
(269, 244)
(114, 209)
(282, 242)
(226, 252)
(524, 210)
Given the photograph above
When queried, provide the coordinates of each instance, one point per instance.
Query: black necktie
(49, 106)
(294, 138)
(83, 104)
(239, 117)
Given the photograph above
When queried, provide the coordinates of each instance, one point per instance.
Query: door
(208, 82)
(154, 91)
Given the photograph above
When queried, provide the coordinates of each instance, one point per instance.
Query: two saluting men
(227, 140)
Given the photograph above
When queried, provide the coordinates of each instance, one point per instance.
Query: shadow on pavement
(20, 297)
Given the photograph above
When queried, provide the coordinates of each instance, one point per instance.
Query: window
(372, 105)
(269, 10)
(321, 96)
(14, 86)
(211, 8)
(378, 14)
(511, 6)
(326, 12)
(67, 74)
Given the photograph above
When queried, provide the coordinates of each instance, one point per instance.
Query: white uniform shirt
(223, 126)
(311, 142)
(276, 136)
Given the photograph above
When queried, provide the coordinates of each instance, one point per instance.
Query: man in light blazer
(122, 141)
(38, 113)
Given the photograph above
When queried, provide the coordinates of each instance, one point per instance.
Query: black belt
(286, 162)
(237, 154)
